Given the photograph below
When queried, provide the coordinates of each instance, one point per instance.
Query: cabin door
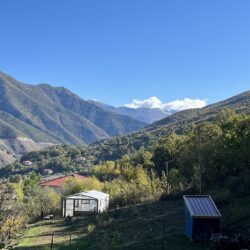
(93, 205)
(69, 208)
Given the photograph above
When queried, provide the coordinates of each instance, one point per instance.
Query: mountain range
(35, 116)
(239, 103)
(179, 123)
(146, 115)
(54, 114)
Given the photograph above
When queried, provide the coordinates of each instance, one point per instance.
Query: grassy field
(149, 226)
(39, 235)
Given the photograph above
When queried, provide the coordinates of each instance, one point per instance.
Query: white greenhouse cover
(92, 194)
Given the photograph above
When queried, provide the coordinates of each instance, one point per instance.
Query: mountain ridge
(56, 114)
(178, 123)
(146, 115)
(239, 103)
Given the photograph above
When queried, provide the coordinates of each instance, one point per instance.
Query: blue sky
(120, 50)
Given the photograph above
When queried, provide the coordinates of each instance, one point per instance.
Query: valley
(145, 173)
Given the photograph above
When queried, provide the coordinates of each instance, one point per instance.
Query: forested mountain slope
(45, 113)
(240, 103)
(179, 123)
(66, 158)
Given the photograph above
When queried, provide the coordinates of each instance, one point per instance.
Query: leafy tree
(73, 186)
(43, 201)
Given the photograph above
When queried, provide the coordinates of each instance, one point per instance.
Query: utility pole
(200, 167)
(167, 171)
(166, 164)
(52, 241)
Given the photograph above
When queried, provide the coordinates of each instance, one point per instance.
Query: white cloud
(150, 103)
(177, 105)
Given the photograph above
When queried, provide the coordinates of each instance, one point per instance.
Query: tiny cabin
(85, 202)
(202, 217)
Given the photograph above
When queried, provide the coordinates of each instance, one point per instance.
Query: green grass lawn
(150, 226)
(39, 235)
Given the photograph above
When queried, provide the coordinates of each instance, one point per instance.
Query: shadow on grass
(152, 226)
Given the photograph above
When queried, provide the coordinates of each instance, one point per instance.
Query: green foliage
(72, 186)
(31, 183)
(18, 190)
(218, 151)
(106, 171)
(224, 154)
(91, 228)
(135, 174)
(132, 184)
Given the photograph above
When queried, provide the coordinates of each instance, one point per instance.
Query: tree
(167, 151)
(31, 183)
(73, 186)
(41, 202)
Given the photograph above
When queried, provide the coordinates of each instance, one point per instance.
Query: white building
(85, 202)
(27, 163)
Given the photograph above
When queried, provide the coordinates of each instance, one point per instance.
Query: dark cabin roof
(201, 206)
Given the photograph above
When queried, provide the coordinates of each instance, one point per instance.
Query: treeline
(209, 154)
(71, 158)
(218, 151)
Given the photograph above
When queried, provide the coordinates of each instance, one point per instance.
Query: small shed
(202, 217)
(85, 202)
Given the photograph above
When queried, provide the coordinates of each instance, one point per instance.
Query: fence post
(52, 241)
(77, 242)
(162, 244)
(70, 241)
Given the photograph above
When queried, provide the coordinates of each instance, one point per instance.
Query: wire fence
(76, 241)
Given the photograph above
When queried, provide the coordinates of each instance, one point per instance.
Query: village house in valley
(57, 183)
(27, 163)
(47, 171)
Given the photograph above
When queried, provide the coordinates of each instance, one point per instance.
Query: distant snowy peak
(152, 109)
(147, 115)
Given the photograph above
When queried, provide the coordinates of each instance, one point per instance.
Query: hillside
(65, 158)
(6, 157)
(180, 122)
(154, 226)
(145, 186)
(239, 103)
(13, 148)
(146, 226)
(54, 114)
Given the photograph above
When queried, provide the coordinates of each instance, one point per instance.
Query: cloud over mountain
(177, 105)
